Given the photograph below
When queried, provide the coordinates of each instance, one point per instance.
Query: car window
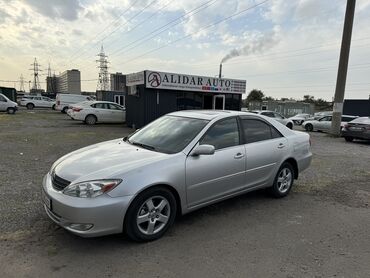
(2, 98)
(45, 98)
(325, 119)
(277, 115)
(347, 119)
(223, 134)
(257, 130)
(114, 107)
(268, 114)
(101, 105)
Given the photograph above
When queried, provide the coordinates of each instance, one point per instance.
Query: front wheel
(283, 181)
(150, 215)
(11, 110)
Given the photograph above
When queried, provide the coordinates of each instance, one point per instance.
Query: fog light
(81, 227)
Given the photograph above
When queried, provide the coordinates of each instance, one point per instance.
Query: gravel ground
(320, 230)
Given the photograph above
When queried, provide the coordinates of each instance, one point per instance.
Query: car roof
(208, 114)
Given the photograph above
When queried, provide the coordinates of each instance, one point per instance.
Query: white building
(69, 82)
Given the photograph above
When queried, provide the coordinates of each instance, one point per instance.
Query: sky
(284, 48)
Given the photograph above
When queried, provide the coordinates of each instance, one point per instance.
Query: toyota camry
(178, 163)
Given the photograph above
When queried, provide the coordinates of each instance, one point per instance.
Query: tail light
(346, 126)
(76, 109)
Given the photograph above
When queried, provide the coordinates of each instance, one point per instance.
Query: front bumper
(105, 213)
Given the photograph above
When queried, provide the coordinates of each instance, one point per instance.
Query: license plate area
(46, 200)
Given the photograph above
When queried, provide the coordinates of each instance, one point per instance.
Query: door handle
(238, 155)
(281, 145)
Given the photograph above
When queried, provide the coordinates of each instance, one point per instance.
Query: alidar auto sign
(184, 82)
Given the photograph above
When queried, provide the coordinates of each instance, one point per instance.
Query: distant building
(287, 108)
(69, 82)
(118, 82)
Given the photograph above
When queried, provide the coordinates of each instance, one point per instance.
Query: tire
(283, 181)
(155, 208)
(30, 106)
(53, 107)
(309, 127)
(91, 120)
(348, 138)
(64, 110)
(10, 110)
(289, 125)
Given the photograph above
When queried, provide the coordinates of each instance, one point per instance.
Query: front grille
(59, 183)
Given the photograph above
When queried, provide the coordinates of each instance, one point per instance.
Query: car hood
(103, 160)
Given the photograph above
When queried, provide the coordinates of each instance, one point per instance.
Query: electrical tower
(21, 83)
(36, 82)
(103, 82)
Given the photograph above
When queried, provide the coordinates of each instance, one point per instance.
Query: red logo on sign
(154, 79)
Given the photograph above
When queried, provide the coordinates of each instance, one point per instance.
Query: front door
(219, 102)
(209, 177)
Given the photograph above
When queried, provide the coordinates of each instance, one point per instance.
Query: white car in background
(300, 118)
(98, 112)
(276, 116)
(63, 101)
(37, 101)
(324, 123)
(82, 103)
(6, 105)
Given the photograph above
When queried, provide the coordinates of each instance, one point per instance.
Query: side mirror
(203, 150)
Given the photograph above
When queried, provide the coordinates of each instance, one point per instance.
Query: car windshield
(168, 134)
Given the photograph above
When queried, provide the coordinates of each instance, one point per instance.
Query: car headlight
(91, 189)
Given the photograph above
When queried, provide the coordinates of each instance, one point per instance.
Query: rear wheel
(53, 107)
(30, 106)
(309, 127)
(64, 110)
(11, 110)
(283, 181)
(91, 119)
(290, 125)
(150, 214)
(348, 138)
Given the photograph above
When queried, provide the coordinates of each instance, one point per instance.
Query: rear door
(209, 177)
(324, 123)
(101, 111)
(264, 148)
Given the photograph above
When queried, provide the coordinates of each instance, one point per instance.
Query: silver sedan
(176, 164)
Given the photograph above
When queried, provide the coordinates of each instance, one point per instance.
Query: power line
(168, 25)
(106, 27)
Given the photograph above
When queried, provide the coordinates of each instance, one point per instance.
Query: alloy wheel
(284, 180)
(153, 215)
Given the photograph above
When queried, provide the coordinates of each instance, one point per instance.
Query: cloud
(3, 16)
(57, 9)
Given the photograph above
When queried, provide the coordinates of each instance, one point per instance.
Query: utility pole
(103, 82)
(342, 68)
(35, 69)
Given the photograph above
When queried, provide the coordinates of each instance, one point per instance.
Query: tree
(308, 98)
(255, 95)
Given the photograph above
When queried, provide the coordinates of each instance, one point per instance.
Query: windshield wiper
(143, 146)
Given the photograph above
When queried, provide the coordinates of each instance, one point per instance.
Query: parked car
(178, 163)
(324, 123)
(300, 118)
(64, 100)
(82, 103)
(6, 105)
(357, 129)
(32, 102)
(98, 112)
(276, 116)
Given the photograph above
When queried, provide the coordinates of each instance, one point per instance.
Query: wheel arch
(168, 187)
(91, 115)
(294, 163)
